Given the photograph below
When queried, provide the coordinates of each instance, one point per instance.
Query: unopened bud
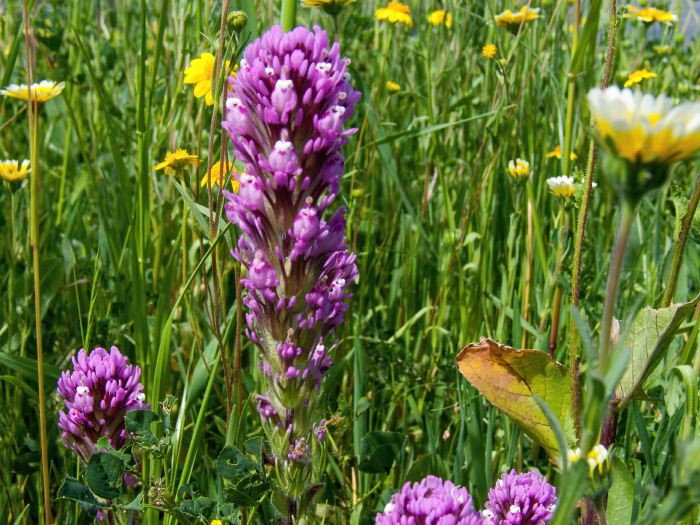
(237, 20)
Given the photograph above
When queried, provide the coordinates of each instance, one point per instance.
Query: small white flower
(599, 458)
(561, 186)
(573, 455)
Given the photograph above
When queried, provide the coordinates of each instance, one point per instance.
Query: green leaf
(74, 490)
(621, 495)
(648, 338)
(246, 481)
(587, 42)
(134, 504)
(378, 451)
(430, 464)
(104, 474)
(139, 421)
(27, 367)
(510, 378)
(200, 507)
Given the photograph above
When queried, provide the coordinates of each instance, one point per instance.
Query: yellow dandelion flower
(519, 169)
(332, 7)
(218, 175)
(216, 522)
(649, 15)
(12, 170)
(645, 129)
(513, 20)
(562, 187)
(395, 12)
(556, 153)
(392, 87)
(637, 76)
(176, 161)
(439, 17)
(41, 92)
(489, 51)
(200, 73)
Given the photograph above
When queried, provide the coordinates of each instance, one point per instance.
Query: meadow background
(449, 248)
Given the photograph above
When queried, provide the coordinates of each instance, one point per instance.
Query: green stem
(574, 359)
(679, 250)
(618, 257)
(289, 14)
(32, 114)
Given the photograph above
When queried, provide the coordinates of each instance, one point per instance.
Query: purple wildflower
(97, 394)
(285, 113)
(432, 501)
(520, 499)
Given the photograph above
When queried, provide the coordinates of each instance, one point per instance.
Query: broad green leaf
(74, 490)
(104, 474)
(246, 481)
(509, 378)
(379, 451)
(648, 338)
(139, 421)
(621, 495)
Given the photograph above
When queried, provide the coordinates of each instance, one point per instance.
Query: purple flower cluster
(97, 394)
(285, 113)
(432, 501)
(517, 499)
(521, 499)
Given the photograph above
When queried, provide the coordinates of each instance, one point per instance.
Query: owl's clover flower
(286, 111)
(97, 394)
(431, 501)
(520, 499)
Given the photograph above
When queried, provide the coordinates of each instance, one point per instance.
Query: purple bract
(432, 501)
(97, 394)
(285, 113)
(520, 499)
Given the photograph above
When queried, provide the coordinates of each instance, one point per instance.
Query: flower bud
(236, 21)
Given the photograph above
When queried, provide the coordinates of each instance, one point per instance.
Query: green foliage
(379, 451)
(648, 338)
(244, 474)
(449, 250)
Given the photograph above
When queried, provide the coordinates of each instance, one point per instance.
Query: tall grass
(449, 248)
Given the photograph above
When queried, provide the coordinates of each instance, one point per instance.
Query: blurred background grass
(444, 238)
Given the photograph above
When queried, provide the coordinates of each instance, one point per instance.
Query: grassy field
(450, 248)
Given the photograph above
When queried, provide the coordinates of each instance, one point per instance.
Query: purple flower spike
(97, 394)
(520, 499)
(286, 112)
(430, 502)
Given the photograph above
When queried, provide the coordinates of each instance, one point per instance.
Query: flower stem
(289, 14)
(32, 113)
(679, 250)
(581, 233)
(618, 256)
